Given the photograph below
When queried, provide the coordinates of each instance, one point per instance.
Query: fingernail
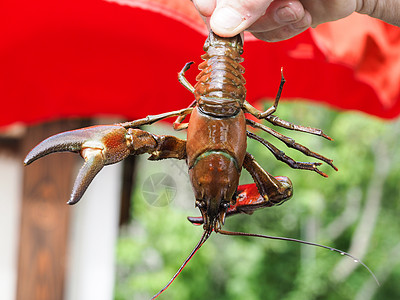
(226, 18)
(285, 15)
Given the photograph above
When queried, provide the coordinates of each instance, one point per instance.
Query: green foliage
(355, 209)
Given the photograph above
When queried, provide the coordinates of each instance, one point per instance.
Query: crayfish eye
(200, 203)
(225, 205)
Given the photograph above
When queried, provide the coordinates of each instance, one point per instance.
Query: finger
(232, 17)
(205, 7)
(285, 32)
(279, 14)
(332, 10)
(387, 11)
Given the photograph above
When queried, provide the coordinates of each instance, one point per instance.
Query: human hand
(278, 20)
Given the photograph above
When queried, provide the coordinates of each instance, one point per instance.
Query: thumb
(231, 17)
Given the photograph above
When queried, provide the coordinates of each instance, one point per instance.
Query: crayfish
(215, 149)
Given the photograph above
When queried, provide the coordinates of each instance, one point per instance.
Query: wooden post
(44, 218)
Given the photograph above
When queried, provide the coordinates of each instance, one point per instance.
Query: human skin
(278, 20)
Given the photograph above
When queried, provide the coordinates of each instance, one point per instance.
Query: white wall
(93, 236)
(10, 201)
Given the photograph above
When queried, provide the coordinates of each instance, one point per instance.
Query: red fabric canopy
(83, 58)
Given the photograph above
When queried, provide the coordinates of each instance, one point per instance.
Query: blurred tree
(355, 209)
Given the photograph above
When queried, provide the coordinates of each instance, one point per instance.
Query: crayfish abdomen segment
(221, 73)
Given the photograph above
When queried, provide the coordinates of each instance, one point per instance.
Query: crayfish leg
(280, 155)
(274, 191)
(182, 79)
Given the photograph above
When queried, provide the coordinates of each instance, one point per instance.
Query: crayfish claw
(196, 220)
(94, 162)
(98, 145)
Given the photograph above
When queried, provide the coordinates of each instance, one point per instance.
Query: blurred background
(66, 65)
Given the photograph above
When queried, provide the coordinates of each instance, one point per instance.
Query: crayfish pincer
(100, 146)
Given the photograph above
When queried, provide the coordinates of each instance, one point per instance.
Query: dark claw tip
(72, 201)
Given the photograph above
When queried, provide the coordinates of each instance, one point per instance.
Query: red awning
(83, 58)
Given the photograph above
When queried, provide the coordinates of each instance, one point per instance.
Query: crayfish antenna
(203, 239)
(301, 242)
